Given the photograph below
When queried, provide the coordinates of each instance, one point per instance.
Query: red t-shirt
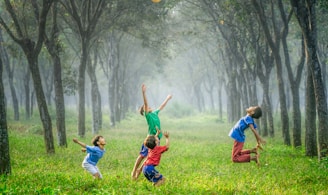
(154, 155)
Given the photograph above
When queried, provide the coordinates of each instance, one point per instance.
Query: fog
(202, 55)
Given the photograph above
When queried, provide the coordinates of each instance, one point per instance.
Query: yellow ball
(156, 1)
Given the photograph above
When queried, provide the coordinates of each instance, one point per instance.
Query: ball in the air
(156, 1)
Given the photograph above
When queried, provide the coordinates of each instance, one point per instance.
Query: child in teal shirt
(153, 122)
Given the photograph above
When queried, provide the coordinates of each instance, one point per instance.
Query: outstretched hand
(166, 134)
(143, 87)
(75, 140)
(259, 144)
(158, 131)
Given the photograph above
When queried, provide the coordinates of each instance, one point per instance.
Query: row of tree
(50, 30)
(247, 43)
(256, 38)
(232, 46)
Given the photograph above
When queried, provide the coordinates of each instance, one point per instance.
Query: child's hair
(150, 142)
(141, 110)
(96, 139)
(257, 112)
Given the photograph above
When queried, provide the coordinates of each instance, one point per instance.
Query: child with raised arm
(94, 154)
(153, 121)
(154, 157)
(238, 134)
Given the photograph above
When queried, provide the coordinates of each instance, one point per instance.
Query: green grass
(198, 162)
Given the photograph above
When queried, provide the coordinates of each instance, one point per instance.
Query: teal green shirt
(153, 122)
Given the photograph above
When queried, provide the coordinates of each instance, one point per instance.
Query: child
(237, 133)
(153, 121)
(94, 153)
(154, 157)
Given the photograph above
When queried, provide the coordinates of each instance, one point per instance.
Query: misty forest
(75, 69)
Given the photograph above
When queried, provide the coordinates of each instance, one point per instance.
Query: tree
(274, 44)
(95, 93)
(310, 117)
(305, 11)
(54, 47)
(5, 167)
(85, 15)
(10, 71)
(294, 79)
(32, 47)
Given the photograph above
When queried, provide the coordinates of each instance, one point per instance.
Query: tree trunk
(5, 167)
(306, 15)
(117, 86)
(10, 72)
(42, 104)
(48, 78)
(85, 16)
(27, 79)
(32, 50)
(264, 66)
(267, 121)
(293, 82)
(59, 102)
(294, 85)
(274, 46)
(95, 97)
(54, 50)
(112, 94)
(111, 101)
(320, 99)
(81, 90)
(220, 109)
(282, 100)
(310, 118)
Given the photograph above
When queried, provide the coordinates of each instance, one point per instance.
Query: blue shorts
(151, 173)
(143, 151)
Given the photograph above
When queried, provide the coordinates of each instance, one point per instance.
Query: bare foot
(259, 147)
(257, 159)
(254, 150)
(133, 176)
(160, 182)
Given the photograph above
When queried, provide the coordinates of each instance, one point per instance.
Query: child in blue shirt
(238, 134)
(94, 154)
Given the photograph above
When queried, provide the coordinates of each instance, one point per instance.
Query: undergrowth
(198, 162)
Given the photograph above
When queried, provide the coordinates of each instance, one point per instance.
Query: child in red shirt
(154, 156)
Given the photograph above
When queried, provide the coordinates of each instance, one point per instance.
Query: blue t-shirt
(238, 131)
(94, 154)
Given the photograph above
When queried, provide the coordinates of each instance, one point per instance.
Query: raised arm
(166, 135)
(157, 131)
(165, 102)
(143, 89)
(80, 143)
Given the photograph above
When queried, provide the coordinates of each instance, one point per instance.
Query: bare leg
(139, 170)
(134, 174)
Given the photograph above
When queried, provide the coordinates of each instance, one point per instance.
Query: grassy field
(198, 162)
